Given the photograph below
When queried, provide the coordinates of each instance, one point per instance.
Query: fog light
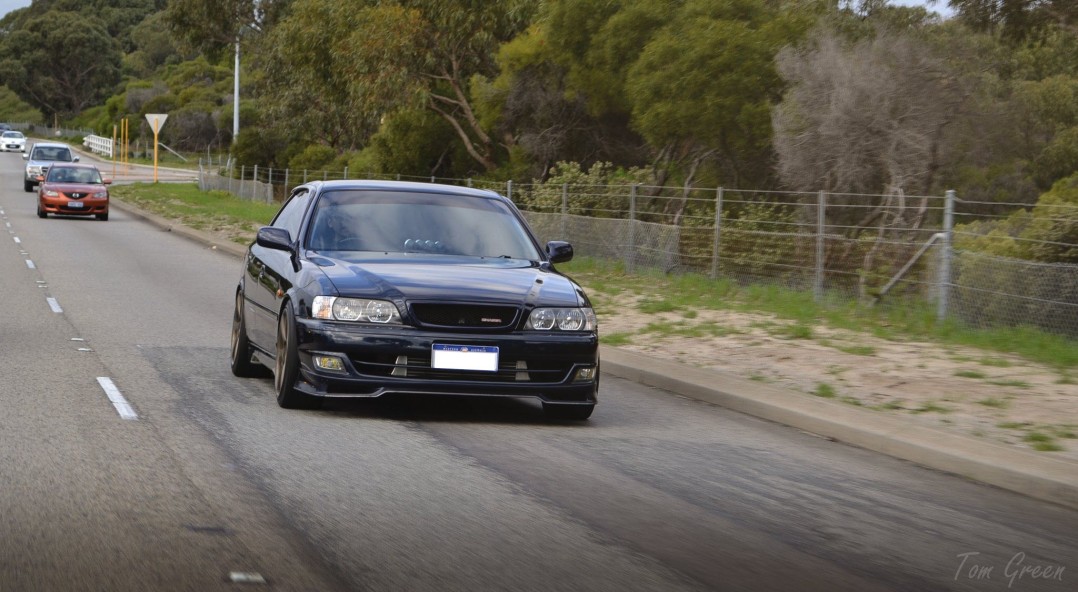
(584, 374)
(331, 363)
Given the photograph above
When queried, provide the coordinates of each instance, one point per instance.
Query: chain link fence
(873, 248)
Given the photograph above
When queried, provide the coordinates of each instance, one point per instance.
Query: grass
(1013, 425)
(824, 390)
(1010, 383)
(616, 339)
(931, 407)
(206, 210)
(857, 350)
(970, 374)
(893, 321)
(1042, 442)
(994, 403)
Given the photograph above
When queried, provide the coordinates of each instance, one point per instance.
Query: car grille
(465, 316)
(419, 368)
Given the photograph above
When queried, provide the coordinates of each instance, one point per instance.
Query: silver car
(39, 159)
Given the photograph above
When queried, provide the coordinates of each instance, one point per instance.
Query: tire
(103, 217)
(41, 213)
(286, 365)
(27, 186)
(240, 351)
(568, 411)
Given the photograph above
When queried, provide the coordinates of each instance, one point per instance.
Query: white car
(12, 141)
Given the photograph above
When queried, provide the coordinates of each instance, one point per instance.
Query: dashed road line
(30, 264)
(17, 240)
(54, 305)
(118, 401)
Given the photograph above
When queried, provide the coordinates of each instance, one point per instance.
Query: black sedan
(369, 288)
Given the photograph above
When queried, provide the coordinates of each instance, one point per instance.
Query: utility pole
(236, 95)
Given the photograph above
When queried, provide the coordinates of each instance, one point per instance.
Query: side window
(291, 215)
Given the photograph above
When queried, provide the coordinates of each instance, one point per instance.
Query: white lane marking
(17, 240)
(118, 400)
(246, 577)
(30, 264)
(8, 224)
(54, 305)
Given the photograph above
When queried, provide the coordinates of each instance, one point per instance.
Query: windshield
(413, 222)
(16, 135)
(51, 153)
(73, 175)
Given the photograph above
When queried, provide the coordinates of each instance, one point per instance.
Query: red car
(73, 189)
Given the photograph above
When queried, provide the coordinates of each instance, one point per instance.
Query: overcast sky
(7, 6)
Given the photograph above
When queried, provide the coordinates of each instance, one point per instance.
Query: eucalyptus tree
(61, 62)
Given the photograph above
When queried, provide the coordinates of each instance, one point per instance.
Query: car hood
(453, 279)
(74, 187)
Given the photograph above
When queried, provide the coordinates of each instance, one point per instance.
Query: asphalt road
(212, 480)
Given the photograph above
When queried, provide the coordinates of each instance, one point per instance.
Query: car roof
(409, 186)
(73, 165)
(51, 145)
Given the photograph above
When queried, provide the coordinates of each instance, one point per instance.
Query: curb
(1020, 471)
(1016, 470)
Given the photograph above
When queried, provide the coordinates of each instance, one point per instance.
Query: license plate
(75, 204)
(464, 357)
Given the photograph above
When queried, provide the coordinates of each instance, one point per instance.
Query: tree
(1017, 21)
(703, 86)
(215, 26)
(333, 72)
(61, 62)
(868, 117)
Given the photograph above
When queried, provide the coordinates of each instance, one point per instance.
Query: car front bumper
(64, 206)
(389, 360)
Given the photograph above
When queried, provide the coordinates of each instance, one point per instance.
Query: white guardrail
(98, 145)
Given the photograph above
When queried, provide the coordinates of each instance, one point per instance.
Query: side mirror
(25, 156)
(106, 181)
(559, 251)
(40, 178)
(277, 239)
(76, 159)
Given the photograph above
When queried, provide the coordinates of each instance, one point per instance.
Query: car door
(269, 274)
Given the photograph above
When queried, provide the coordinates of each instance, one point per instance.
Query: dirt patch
(997, 397)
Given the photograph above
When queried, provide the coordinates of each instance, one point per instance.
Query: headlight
(562, 319)
(332, 308)
(100, 194)
(51, 193)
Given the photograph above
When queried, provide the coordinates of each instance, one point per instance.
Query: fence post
(345, 174)
(304, 175)
(509, 189)
(945, 256)
(243, 173)
(718, 234)
(286, 188)
(564, 210)
(631, 254)
(469, 181)
(821, 204)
